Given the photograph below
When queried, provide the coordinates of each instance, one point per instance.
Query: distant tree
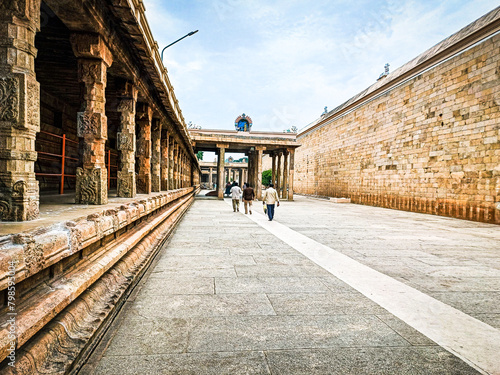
(199, 155)
(266, 177)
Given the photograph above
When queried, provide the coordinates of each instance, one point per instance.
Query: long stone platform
(388, 292)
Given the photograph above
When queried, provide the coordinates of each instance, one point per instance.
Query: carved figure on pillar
(19, 110)
(126, 142)
(94, 58)
(144, 117)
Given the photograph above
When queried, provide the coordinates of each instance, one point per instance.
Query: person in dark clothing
(248, 197)
(228, 189)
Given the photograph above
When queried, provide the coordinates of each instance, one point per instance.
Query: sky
(282, 61)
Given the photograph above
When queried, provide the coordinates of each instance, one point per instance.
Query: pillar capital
(91, 46)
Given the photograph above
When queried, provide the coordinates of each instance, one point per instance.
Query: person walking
(248, 197)
(236, 195)
(228, 189)
(270, 198)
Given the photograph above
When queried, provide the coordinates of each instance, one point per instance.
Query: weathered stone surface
(74, 326)
(428, 145)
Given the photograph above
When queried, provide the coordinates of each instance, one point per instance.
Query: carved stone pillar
(156, 156)
(273, 170)
(278, 174)
(94, 58)
(144, 118)
(19, 110)
(220, 171)
(290, 181)
(258, 190)
(250, 170)
(126, 142)
(164, 159)
(285, 175)
(210, 181)
(171, 144)
(176, 166)
(183, 170)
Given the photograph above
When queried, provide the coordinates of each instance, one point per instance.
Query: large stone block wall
(430, 145)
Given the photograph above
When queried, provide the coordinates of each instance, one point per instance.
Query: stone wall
(431, 144)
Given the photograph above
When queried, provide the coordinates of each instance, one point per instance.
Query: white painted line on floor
(473, 341)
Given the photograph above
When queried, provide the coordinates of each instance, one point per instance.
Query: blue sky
(282, 61)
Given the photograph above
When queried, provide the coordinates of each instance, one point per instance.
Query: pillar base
(20, 202)
(91, 186)
(126, 184)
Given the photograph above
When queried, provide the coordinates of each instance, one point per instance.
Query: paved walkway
(391, 292)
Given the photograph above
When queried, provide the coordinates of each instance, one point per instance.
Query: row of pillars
(230, 174)
(282, 171)
(283, 165)
(162, 162)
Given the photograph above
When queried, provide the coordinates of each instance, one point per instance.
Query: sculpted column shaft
(94, 58)
(176, 166)
(144, 118)
(278, 174)
(285, 174)
(290, 181)
(156, 156)
(171, 146)
(210, 181)
(273, 169)
(19, 110)
(126, 143)
(220, 173)
(259, 174)
(164, 159)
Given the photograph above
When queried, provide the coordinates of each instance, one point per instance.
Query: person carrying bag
(269, 200)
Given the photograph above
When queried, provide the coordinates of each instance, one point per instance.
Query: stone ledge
(39, 248)
(41, 305)
(340, 200)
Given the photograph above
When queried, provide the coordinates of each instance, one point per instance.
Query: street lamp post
(178, 40)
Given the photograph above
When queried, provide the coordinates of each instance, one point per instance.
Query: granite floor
(236, 294)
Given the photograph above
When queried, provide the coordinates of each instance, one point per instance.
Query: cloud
(282, 61)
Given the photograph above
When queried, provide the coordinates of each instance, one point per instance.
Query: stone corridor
(227, 296)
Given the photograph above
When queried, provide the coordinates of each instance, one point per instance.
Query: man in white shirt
(236, 195)
(270, 198)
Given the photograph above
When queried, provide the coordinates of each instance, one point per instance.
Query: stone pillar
(94, 58)
(210, 181)
(278, 174)
(126, 142)
(164, 159)
(240, 177)
(220, 170)
(156, 155)
(171, 149)
(177, 168)
(273, 169)
(290, 180)
(19, 110)
(285, 174)
(144, 118)
(258, 165)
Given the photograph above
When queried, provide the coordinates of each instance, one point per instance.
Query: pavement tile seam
(481, 359)
(386, 331)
